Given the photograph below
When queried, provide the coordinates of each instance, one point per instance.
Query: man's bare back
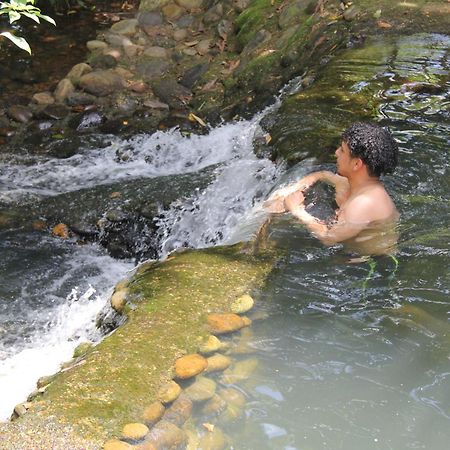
(366, 214)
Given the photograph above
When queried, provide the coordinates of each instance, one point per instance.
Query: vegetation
(15, 9)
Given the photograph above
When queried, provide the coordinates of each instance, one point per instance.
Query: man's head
(374, 145)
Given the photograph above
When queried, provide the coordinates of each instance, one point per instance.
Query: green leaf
(19, 41)
(32, 16)
(47, 18)
(13, 16)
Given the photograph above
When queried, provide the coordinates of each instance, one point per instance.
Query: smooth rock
(152, 5)
(132, 50)
(214, 406)
(55, 112)
(149, 19)
(45, 381)
(80, 99)
(190, 365)
(241, 5)
(118, 300)
(20, 113)
(169, 392)
(43, 98)
(166, 435)
(214, 440)
(242, 304)
(138, 86)
(217, 363)
(172, 11)
(180, 411)
(242, 370)
(172, 93)
(202, 389)
(203, 46)
(126, 27)
(116, 40)
(186, 21)
(213, 14)
(82, 349)
(156, 52)
(115, 444)
(153, 413)
(77, 71)
(180, 34)
(101, 83)
(63, 90)
(96, 45)
(212, 344)
(225, 323)
(115, 53)
(135, 431)
(102, 61)
(351, 13)
(233, 396)
(153, 69)
(247, 321)
(190, 51)
(190, 4)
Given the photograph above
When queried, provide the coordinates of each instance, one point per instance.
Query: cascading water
(55, 289)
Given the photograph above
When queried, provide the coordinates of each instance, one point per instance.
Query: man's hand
(294, 201)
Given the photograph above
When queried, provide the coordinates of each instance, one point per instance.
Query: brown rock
(190, 365)
(190, 4)
(101, 83)
(63, 90)
(225, 323)
(212, 344)
(242, 370)
(61, 230)
(115, 444)
(138, 86)
(172, 11)
(20, 113)
(180, 411)
(166, 435)
(153, 412)
(118, 300)
(135, 431)
(217, 363)
(214, 406)
(214, 440)
(233, 397)
(77, 71)
(169, 392)
(203, 389)
(180, 34)
(43, 98)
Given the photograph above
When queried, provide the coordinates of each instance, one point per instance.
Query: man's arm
(347, 226)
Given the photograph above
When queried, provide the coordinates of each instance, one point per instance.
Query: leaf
(13, 16)
(47, 18)
(192, 117)
(32, 16)
(19, 41)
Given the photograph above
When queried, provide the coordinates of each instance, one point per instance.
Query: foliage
(15, 9)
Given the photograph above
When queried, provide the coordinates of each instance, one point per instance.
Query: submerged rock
(202, 389)
(166, 435)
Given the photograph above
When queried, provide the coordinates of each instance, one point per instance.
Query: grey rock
(103, 62)
(172, 93)
(96, 45)
(125, 27)
(260, 37)
(43, 98)
(151, 69)
(180, 34)
(55, 112)
(194, 74)
(156, 52)
(149, 19)
(117, 40)
(77, 72)
(80, 98)
(190, 4)
(152, 5)
(20, 113)
(63, 90)
(101, 83)
(213, 14)
(185, 21)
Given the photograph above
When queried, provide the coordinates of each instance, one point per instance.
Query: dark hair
(374, 145)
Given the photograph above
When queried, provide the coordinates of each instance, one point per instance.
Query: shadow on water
(356, 356)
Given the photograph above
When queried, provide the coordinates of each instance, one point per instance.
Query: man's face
(344, 159)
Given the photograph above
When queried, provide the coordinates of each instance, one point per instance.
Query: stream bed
(350, 355)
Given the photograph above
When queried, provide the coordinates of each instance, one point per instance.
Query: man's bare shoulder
(370, 205)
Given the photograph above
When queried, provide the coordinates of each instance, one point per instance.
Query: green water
(357, 356)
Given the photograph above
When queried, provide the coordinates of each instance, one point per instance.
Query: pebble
(135, 431)
(242, 304)
(211, 345)
(203, 389)
(43, 98)
(153, 412)
(118, 300)
(218, 362)
(169, 392)
(190, 365)
(225, 323)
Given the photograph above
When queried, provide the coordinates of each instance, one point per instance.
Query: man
(366, 213)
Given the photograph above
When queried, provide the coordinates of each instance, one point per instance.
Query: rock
(77, 72)
(190, 4)
(43, 98)
(166, 435)
(133, 50)
(61, 230)
(242, 370)
(180, 34)
(45, 381)
(241, 5)
(214, 440)
(138, 86)
(242, 304)
(172, 93)
(153, 413)
(101, 83)
(102, 62)
(190, 365)
(203, 46)
(155, 104)
(186, 21)
(225, 323)
(21, 409)
(192, 75)
(169, 392)
(217, 363)
(180, 411)
(96, 45)
(156, 52)
(64, 148)
(20, 113)
(126, 27)
(116, 40)
(147, 19)
(172, 11)
(115, 444)
(63, 90)
(154, 68)
(202, 389)
(135, 431)
(80, 99)
(191, 51)
(82, 349)
(247, 321)
(351, 13)
(211, 345)
(214, 406)
(55, 112)
(118, 300)
(213, 14)
(151, 5)
(225, 28)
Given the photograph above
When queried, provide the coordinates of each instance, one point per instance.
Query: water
(356, 355)
(351, 355)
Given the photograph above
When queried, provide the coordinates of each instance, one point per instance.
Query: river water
(352, 355)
